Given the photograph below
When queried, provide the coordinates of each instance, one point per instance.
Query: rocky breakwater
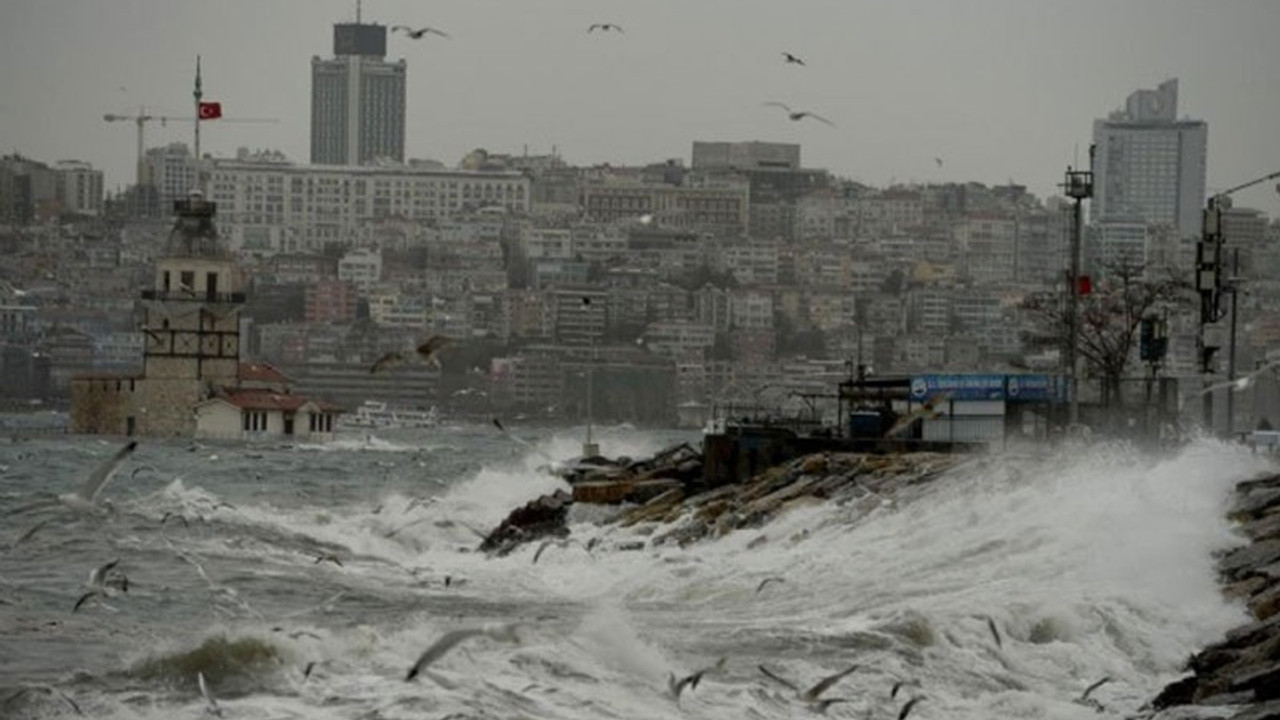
(665, 495)
(867, 480)
(1243, 670)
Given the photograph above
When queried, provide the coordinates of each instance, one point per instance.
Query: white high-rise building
(171, 170)
(1149, 165)
(79, 187)
(357, 99)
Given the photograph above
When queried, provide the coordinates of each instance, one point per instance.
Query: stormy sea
(304, 581)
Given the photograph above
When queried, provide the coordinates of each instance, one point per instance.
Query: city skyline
(1000, 91)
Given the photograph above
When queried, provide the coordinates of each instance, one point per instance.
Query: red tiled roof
(264, 400)
(261, 372)
(268, 400)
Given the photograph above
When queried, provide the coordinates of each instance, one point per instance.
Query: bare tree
(1109, 319)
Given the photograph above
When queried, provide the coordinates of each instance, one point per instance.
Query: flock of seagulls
(607, 27)
(108, 578)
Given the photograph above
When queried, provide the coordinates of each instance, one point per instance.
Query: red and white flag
(210, 110)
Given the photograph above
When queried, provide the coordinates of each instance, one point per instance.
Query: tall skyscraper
(1150, 166)
(357, 99)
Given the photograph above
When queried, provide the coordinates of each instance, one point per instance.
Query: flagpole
(198, 93)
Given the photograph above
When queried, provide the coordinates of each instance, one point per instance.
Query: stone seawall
(1243, 669)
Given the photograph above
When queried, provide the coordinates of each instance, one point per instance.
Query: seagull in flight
(795, 115)
(419, 33)
(427, 351)
(446, 642)
(86, 497)
(766, 581)
(97, 583)
(906, 708)
(606, 27)
(562, 544)
(792, 59)
(677, 686)
(938, 160)
(211, 705)
(812, 696)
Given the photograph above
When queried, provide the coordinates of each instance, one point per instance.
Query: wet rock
(537, 519)
(1178, 692)
(1266, 604)
(1240, 562)
(1244, 667)
(1265, 711)
(1254, 503)
(1266, 527)
(1263, 680)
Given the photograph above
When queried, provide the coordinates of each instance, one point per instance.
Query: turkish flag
(210, 110)
(1085, 285)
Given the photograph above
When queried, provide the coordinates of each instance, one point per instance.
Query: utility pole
(1078, 185)
(590, 448)
(1231, 343)
(1209, 283)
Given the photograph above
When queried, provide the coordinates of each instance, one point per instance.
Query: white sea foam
(1089, 563)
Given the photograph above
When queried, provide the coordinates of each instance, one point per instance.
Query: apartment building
(301, 208)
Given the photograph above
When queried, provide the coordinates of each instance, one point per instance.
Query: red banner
(210, 110)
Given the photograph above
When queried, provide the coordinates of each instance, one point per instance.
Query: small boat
(378, 414)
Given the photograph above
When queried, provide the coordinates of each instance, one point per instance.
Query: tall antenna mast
(198, 94)
(357, 12)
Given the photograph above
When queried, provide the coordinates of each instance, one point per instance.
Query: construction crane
(142, 118)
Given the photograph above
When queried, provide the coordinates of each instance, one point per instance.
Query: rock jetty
(668, 489)
(1243, 669)
(840, 477)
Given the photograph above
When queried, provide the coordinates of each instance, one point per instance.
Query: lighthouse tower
(192, 323)
(192, 337)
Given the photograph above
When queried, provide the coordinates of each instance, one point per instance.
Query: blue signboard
(958, 387)
(1014, 388)
(1035, 388)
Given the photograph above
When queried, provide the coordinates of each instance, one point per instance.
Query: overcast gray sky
(999, 89)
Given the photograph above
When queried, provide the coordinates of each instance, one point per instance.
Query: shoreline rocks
(1244, 667)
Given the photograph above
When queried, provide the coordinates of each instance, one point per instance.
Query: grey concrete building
(357, 99)
(1149, 164)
